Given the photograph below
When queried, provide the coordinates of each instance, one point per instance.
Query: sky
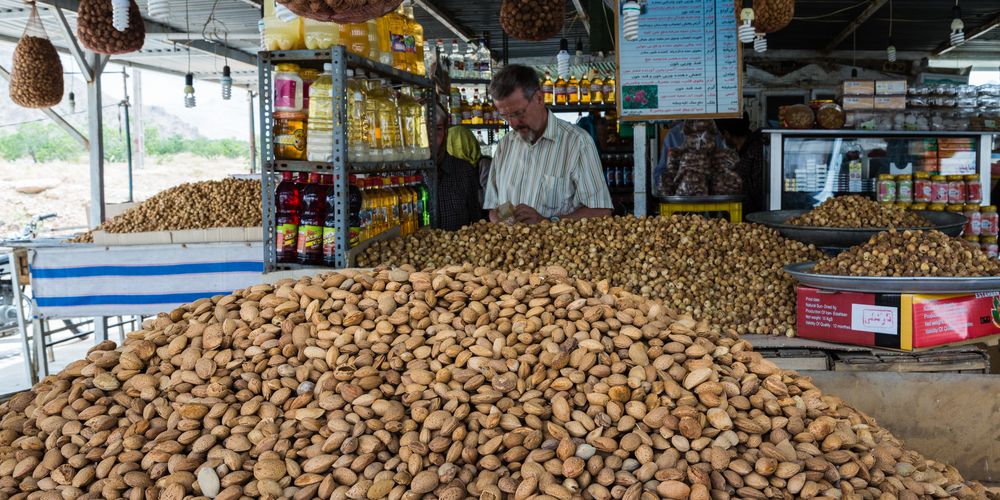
(214, 117)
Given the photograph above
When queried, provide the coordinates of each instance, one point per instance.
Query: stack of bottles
(395, 39)
(472, 62)
(591, 88)
(618, 169)
(306, 218)
(384, 123)
(472, 108)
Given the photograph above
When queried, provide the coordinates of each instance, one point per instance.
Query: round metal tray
(838, 237)
(804, 275)
(721, 198)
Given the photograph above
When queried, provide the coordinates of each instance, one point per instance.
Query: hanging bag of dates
(532, 19)
(341, 11)
(36, 80)
(95, 31)
(772, 15)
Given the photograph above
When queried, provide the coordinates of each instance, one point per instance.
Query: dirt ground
(69, 194)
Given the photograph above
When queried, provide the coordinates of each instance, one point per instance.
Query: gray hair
(513, 77)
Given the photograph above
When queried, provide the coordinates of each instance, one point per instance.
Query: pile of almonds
(854, 211)
(912, 253)
(729, 274)
(193, 205)
(445, 384)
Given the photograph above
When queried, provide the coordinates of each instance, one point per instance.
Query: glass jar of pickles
(939, 189)
(922, 187)
(972, 218)
(956, 189)
(904, 188)
(886, 189)
(973, 189)
(989, 245)
(989, 221)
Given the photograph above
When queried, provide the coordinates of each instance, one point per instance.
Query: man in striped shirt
(548, 169)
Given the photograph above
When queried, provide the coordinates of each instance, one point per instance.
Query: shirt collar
(551, 129)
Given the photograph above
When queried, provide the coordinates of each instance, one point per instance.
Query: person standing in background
(750, 146)
(458, 176)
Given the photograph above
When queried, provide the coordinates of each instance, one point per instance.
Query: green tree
(40, 141)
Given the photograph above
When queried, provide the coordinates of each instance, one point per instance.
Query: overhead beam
(809, 54)
(973, 34)
(219, 49)
(583, 14)
(446, 20)
(56, 117)
(73, 46)
(869, 11)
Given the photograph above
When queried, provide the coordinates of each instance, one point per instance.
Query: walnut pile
(95, 31)
(449, 384)
(728, 273)
(854, 211)
(36, 78)
(912, 253)
(193, 205)
(532, 19)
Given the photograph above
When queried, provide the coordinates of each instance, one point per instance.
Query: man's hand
(527, 215)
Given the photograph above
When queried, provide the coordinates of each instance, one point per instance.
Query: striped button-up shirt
(556, 175)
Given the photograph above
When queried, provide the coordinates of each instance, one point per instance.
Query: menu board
(681, 59)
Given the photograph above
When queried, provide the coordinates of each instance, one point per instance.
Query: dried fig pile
(730, 274)
(192, 205)
(912, 253)
(449, 384)
(854, 211)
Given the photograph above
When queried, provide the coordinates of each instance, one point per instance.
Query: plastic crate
(734, 209)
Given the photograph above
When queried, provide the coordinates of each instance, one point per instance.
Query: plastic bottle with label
(286, 201)
(355, 37)
(547, 89)
(288, 88)
(320, 124)
(309, 249)
(280, 34)
(320, 35)
(415, 40)
(357, 121)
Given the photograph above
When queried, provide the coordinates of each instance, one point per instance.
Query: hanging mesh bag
(95, 31)
(36, 79)
(532, 19)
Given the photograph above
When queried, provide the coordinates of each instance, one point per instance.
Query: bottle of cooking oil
(585, 88)
(455, 110)
(374, 54)
(320, 35)
(466, 111)
(376, 143)
(358, 123)
(609, 89)
(388, 118)
(384, 41)
(560, 89)
(370, 209)
(573, 90)
(410, 111)
(392, 201)
(398, 31)
(597, 88)
(355, 37)
(477, 109)
(547, 90)
(278, 34)
(423, 141)
(416, 32)
(319, 129)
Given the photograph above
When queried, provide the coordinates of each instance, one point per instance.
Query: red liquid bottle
(286, 201)
(310, 242)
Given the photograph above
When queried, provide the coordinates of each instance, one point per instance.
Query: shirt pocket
(557, 196)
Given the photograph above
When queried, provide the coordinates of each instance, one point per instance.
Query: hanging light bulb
(854, 72)
(158, 9)
(578, 56)
(189, 101)
(760, 43)
(957, 26)
(630, 20)
(227, 83)
(282, 13)
(72, 102)
(746, 30)
(890, 51)
(562, 59)
(119, 14)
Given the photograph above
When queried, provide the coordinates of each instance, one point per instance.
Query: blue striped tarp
(71, 281)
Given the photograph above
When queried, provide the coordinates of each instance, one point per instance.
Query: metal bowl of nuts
(845, 237)
(803, 273)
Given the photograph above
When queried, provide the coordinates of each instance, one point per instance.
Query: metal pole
(640, 168)
(253, 136)
(22, 327)
(128, 134)
(96, 125)
(140, 126)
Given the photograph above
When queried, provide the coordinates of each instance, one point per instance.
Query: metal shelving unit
(340, 168)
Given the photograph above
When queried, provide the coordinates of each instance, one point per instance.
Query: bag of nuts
(94, 29)
(532, 19)
(341, 11)
(36, 79)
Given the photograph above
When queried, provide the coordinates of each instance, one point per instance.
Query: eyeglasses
(517, 115)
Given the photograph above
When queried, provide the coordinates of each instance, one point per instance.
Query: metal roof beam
(973, 34)
(73, 46)
(56, 117)
(872, 8)
(155, 27)
(583, 15)
(446, 19)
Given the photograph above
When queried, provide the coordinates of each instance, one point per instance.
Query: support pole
(128, 135)
(95, 110)
(253, 136)
(640, 168)
(138, 125)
